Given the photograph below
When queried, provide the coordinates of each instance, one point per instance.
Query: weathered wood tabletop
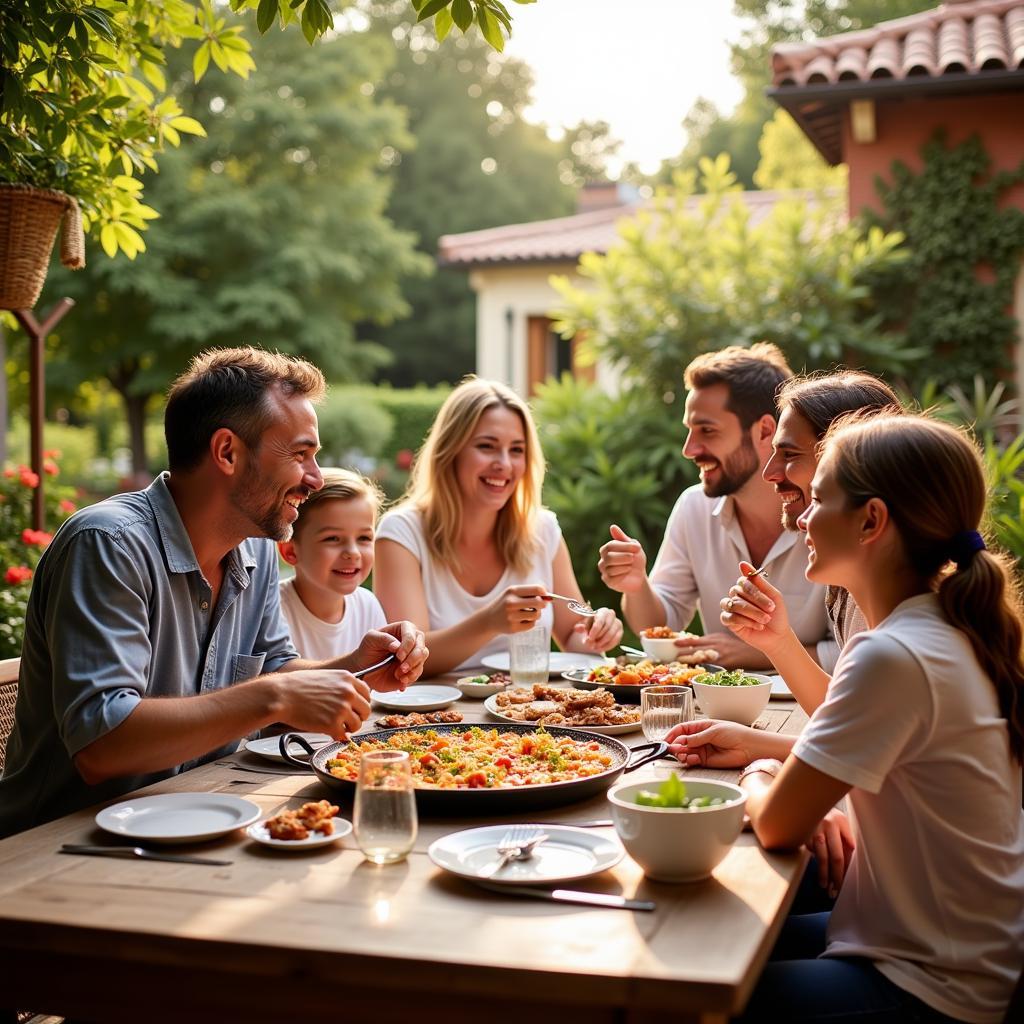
(324, 935)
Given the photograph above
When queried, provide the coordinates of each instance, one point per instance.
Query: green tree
(692, 274)
(475, 164)
(273, 231)
(789, 160)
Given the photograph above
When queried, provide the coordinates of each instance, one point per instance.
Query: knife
(140, 853)
(590, 899)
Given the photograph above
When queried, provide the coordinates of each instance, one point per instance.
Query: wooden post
(37, 333)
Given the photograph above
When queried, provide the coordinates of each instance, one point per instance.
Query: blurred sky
(638, 64)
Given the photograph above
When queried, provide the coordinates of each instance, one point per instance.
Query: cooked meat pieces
(419, 718)
(564, 706)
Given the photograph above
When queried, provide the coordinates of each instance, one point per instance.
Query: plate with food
(270, 746)
(418, 697)
(567, 853)
(483, 685)
(418, 718)
(477, 769)
(178, 817)
(558, 662)
(624, 682)
(312, 824)
(593, 710)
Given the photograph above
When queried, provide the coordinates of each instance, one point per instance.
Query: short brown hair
(342, 485)
(822, 398)
(227, 387)
(752, 375)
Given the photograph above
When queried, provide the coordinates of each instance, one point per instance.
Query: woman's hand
(755, 611)
(832, 845)
(517, 609)
(599, 634)
(712, 744)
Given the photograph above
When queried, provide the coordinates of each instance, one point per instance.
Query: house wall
(902, 127)
(501, 343)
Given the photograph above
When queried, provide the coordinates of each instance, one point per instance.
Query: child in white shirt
(327, 609)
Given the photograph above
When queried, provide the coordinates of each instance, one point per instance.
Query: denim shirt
(119, 611)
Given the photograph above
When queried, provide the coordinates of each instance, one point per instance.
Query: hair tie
(964, 546)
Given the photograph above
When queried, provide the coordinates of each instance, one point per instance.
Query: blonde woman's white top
(448, 602)
(935, 892)
(313, 638)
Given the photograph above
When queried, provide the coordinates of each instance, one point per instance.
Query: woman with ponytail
(922, 727)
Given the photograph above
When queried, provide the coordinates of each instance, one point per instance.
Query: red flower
(52, 453)
(38, 538)
(9, 473)
(18, 574)
(403, 458)
(28, 478)
(66, 506)
(50, 467)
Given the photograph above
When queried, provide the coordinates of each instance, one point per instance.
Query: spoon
(632, 650)
(579, 607)
(757, 572)
(373, 668)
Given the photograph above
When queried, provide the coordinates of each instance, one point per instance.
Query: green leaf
(108, 239)
(201, 61)
(442, 25)
(431, 7)
(265, 15)
(462, 14)
(490, 28)
(189, 125)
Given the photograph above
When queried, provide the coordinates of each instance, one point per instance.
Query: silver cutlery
(139, 853)
(373, 668)
(575, 605)
(757, 572)
(517, 844)
(632, 650)
(590, 899)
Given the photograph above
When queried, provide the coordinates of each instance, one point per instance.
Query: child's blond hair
(342, 485)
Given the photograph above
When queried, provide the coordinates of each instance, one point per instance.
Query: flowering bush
(21, 545)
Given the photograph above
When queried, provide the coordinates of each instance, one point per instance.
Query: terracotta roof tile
(972, 36)
(567, 238)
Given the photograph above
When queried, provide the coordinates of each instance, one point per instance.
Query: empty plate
(560, 661)
(258, 832)
(417, 698)
(178, 817)
(270, 746)
(567, 853)
(780, 691)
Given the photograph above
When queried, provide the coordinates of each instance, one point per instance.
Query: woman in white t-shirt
(922, 726)
(469, 554)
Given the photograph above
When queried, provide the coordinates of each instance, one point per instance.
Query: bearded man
(732, 515)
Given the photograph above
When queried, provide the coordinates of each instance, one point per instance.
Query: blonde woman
(469, 554)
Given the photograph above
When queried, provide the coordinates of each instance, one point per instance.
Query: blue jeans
(798, 988)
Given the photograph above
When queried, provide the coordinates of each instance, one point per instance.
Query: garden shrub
(351, 422)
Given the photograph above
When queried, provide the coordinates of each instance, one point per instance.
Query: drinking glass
(662, 707)
(529, 656)
(385, 810)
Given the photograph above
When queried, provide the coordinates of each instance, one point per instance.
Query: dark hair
(227, 387)
(822, 398)
(932, 481)
(752, 375)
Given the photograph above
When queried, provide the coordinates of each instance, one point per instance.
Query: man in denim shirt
(153, 638)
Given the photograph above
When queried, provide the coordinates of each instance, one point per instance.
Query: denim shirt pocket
(247, 666)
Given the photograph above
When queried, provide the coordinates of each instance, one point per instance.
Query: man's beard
(739, 466)
(789, 519)
(265, 513)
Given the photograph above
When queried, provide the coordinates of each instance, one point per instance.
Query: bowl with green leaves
(677, 831)
(735, 696)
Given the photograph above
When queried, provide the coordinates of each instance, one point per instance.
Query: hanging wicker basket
(28, 224)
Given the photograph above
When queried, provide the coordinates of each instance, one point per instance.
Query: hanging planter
(29, 218)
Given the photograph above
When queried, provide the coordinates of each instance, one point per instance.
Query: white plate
(258, 831)
(178, 817)
(780, 690)
(560, 661)
(270, 746)
(417, 698)
(606, 730)
(568, 853)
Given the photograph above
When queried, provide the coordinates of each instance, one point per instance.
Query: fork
(516, 844)
(373, 668)
(575, 605)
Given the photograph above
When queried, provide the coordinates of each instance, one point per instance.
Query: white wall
(526, 291)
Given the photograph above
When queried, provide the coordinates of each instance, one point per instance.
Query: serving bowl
(675, 844)
(473, 686)
(740, 704)
(661, 648)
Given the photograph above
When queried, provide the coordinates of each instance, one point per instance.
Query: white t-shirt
(935, 891)
(313, 638)
(448, 602)
(699, 561)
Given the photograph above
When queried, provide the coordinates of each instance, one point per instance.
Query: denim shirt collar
(177, 544)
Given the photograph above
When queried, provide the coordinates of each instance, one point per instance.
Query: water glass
(385, 809)
(529, 655)
(664, 707)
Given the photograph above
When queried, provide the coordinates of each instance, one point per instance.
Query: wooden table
(324, 935)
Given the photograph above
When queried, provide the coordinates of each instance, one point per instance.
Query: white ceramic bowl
(673, 844)
(470, 688)
(663, 650)
(734, 703)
